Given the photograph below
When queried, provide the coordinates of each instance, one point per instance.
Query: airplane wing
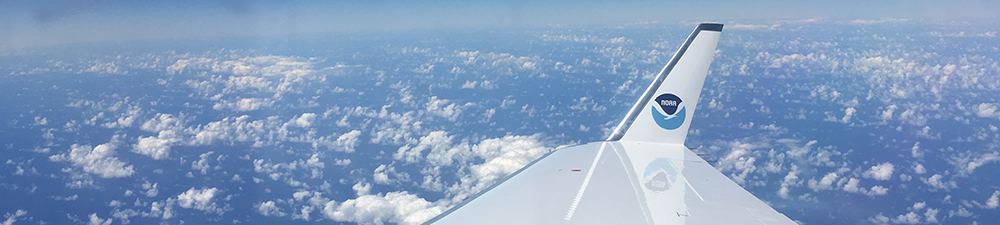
(642, 174)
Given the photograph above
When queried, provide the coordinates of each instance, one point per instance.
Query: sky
(56, 22)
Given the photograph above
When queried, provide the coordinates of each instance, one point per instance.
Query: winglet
(673, 94)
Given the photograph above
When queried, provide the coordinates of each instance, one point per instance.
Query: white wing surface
(642, 174)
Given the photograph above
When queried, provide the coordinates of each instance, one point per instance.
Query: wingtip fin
(678, 86)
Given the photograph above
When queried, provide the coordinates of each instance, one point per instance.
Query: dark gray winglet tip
(710, 27)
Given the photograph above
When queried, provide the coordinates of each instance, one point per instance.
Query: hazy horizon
(58, 22)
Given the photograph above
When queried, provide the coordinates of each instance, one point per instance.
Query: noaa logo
(669, 104)
(659, 175)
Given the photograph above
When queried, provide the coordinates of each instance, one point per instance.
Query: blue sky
(54, 22)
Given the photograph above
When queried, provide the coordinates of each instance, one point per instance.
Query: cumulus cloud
(304, 120)
(791, 179)
(95, 220)
(151, 189)
(441, 150)
(12, 217)
(826, 183)
(986, 110)
(880, 172)
(980, 161)
(919, 168)
(848, 113)
(245, 104)
(392, 207)
(347, 141)
(442, 108)
(993, 202)
(936, 183)
(200, 199)
(269, 208)
(98, 160)
(202, 164)
(887, 114)
(156, 147)
(869, 22)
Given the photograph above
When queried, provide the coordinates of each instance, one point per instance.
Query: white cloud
(826, 183)
(993, 202)
(95, 220)
(162, 122)
(986, 110)
(269, 208)
(304, 120)
(931, 215)
(12, 217)
(909, 218)
(245, 104)
(41, 121)
(382, 174)
(442, 152)
(347, 141)
(982, 160)
(936, 183)
(880, 172)
(202, 164)
(392, 207)
(877, 190)
(469, 84)
(962, 212)
(341, 162)
(915, 150)
(151, 188)
(440, 107)
(847, 115)
(869, 22)
(790, 180)
(156, 147)
(919, 169)
(200, 199)
(852, 186)
(887, 114)
(98, 160)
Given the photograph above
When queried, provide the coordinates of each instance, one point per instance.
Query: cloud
(993, 202)
(967, 166)
(847, 115)
(304, 120)
(440, 107)
(200, 199)
(12, 217)
(826, 183)
(790, 180)
(919, 169)
(887, 114)
(245, 104)
(95, 220)
(381, 174)
(880, 172)
(268, 208)
(202, 164)
(162, 122)
(347, 141)
(393, 207)
(936, 183)
(442, 152)
(915, 150)
(98, 160)
(151, 188)
(156, 147)
(869, 22)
